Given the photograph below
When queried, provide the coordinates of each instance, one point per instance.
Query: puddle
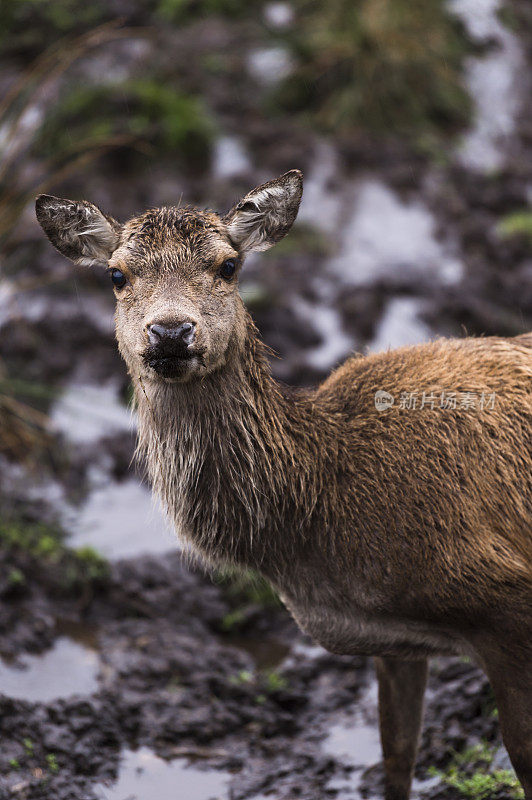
(120, 520)
(69, 667)
(145, 776)
(354, 739)
(335, 345)
(496, 83)
(390, 237)
(400, 325)
(86, 413)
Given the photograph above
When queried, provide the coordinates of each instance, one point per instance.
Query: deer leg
(511, 681)
(401, 689)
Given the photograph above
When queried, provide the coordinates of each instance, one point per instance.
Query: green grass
(269, 682)
(233, 620)
(471, 775)
(67, 568)
(28, 746)
(274, 682)
(51, 762)
(519, 223)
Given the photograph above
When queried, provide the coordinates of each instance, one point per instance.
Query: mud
(157, 680)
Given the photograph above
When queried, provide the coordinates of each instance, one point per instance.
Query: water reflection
(67, 668)
(145, 776)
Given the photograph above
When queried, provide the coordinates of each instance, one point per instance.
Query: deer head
(175, 272)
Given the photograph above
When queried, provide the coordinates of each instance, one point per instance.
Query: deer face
(175, 273)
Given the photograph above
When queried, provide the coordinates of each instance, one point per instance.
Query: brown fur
(400, 533)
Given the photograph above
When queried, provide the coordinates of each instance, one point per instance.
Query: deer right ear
(266, 214)
(78, 229)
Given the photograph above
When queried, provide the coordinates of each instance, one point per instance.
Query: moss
(385, 66)
(471, 775)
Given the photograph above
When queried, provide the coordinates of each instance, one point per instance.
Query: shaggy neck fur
(234, 457)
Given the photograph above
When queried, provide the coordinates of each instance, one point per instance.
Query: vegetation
(24, 169)
(29, 757)
(28, 26)
(69, 569)
(519, 223)
(472, 776)
(269, 681)
(146, 110)
(179, 11)
(388, 66)
(246, 586)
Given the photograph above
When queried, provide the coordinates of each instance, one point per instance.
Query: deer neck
(230, 457)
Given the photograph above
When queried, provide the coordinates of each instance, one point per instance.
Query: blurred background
(412, 123)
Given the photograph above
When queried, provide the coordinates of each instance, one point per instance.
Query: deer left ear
(78, 229)
(265, 214)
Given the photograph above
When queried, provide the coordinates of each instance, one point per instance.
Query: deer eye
(118, 278)
(228, 268)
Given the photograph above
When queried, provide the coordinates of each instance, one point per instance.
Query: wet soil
(156, 681)
(147, 671)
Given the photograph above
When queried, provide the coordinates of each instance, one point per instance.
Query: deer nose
(159, 332)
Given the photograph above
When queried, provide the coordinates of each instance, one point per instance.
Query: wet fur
(401, 533)
(397, 532)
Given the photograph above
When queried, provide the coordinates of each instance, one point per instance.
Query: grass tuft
(471, 775)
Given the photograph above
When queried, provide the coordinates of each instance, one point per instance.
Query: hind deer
(388, 530)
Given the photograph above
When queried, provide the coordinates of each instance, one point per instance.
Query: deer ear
(266, 214)
(78, 229)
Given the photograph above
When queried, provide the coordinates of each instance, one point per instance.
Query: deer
(389, 531)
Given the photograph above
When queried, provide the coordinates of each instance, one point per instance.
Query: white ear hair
(101, 241)
(266, 214)
(78, 229)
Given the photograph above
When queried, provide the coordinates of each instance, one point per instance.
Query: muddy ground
(142, 676)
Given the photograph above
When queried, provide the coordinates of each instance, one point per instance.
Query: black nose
(182, 333)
